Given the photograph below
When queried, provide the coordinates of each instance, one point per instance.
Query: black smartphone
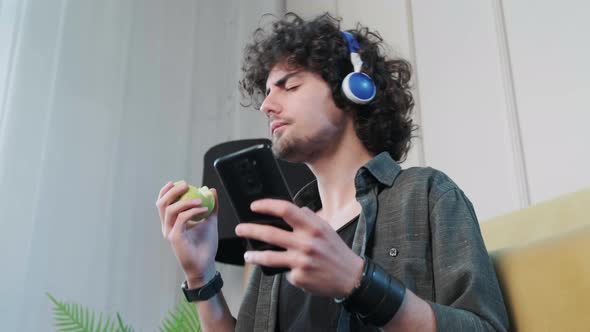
(248, 175)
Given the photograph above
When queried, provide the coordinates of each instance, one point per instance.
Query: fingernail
(247, 256)
(238, 228)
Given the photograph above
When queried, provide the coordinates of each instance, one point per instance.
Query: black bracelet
(205, 292)
(377, 297)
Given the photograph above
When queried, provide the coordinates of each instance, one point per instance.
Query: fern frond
(75, 318)
(122, 327)
(173, 323)
(108, 326)
(193, 323)
(184, 318)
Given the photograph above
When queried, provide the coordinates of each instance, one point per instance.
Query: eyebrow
(281, 81)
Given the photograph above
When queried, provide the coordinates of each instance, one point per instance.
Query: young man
(373, 246)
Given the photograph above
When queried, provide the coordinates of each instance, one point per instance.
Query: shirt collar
(382, 168)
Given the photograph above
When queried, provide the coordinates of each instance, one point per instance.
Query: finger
(172, 211)
(216, 209)
(165, 189)
(183, 219)
(296, 278)
(289, 212)
(170, 196)
(270, 258)
(268, 234)
(175, 192)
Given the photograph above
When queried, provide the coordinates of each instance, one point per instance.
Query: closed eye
(292, 88)
(281, 83)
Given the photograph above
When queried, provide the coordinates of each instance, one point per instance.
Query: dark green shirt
(421, 228)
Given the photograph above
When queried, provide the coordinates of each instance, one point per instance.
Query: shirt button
(393, 252)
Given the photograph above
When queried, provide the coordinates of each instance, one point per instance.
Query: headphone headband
(353, 45)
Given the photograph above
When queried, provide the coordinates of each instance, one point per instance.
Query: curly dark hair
(316, 45)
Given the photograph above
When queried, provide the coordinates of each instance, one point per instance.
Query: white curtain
(101, 103)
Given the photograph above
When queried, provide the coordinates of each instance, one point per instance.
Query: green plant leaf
(190, 311)
(73, 317)
(122, 327)
(183, 318)
(76, 318)
(108, 326)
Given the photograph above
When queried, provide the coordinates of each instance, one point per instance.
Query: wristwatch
(203, 293)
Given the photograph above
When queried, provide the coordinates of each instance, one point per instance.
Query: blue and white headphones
(357, 86)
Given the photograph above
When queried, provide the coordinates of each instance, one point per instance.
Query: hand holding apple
(188, 216)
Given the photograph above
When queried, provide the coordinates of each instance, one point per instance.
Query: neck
(335, 171)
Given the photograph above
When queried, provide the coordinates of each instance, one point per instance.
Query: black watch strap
(203, 293)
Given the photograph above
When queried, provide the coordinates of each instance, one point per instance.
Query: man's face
(304, 121)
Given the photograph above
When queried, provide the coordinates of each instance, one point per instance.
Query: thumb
(216, 209)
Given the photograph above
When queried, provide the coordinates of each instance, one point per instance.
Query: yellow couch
(542, 259)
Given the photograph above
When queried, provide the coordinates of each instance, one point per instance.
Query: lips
(275, 125)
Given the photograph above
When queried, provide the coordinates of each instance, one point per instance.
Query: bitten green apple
(204, 194)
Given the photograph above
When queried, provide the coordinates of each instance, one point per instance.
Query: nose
(270, 105)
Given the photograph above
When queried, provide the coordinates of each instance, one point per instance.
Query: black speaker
(231, 248)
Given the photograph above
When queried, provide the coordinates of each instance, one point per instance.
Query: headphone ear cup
(359, 88)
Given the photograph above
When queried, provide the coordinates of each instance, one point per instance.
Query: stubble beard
(301, 149)
(289, 149)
